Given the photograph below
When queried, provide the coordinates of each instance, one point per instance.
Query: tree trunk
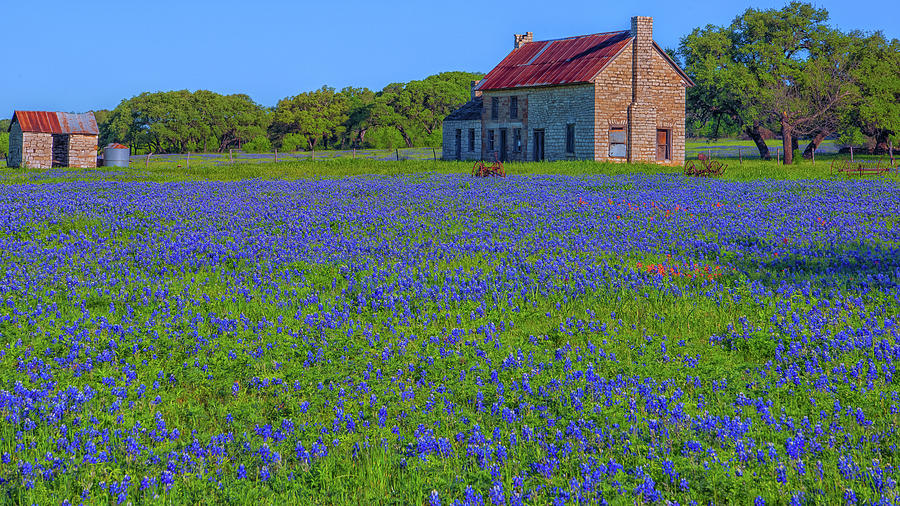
(753, 132)
(813, 145)
(362, 136)
(787, 141)
(405, 137)
(881, 142)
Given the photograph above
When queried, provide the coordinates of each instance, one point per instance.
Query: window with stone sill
(617, 142)
(495, 107)
(513, 107)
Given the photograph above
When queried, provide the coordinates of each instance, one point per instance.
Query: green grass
(158, 328)
(157, 171)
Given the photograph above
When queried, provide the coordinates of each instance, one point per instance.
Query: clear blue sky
(78, 56)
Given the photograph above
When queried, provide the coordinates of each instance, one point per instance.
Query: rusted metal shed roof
(553, 62)
(56, 122)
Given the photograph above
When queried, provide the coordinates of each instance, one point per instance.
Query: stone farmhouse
(41, 140)
(613, 96)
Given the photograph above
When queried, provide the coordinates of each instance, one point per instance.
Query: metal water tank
(116, 155)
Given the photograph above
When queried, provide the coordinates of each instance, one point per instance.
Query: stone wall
(449, 140)
(14, 158)
(83, 151)
(37, 149)
(551, 109)
(505, 122)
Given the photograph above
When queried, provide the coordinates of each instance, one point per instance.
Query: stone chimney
(642, 31)
(475, 93)
(642, 110)
(520, 40)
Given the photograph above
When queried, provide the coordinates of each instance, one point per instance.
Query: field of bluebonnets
(430, 338)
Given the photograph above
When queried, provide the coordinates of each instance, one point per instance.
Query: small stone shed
(613, 96)
(42, 140)
(462, 130)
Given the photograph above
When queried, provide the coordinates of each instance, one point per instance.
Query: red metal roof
(56, 122)
(561, 61)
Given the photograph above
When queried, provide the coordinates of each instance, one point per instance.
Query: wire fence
(741, 151)
(237, 156)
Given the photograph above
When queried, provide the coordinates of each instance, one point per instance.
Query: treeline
(787, 71)
(401, 114)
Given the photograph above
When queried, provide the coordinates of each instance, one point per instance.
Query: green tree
(877, 111)
(724, 89)
(417, 109)
(360, 102)
(777, 67)
(179, 121)
(320, 116)
(4, 143)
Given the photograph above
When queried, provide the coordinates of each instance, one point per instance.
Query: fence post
(398, 153)
(147, 161)
(891, 151)
(188, 163)
(314, 154)
(276, 156)
(777, 156)
(740, 157)
(851, 153)
(434, 152)
(230, 158)
(354, 153)
(814, 155)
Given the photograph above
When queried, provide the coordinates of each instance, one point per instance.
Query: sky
(61, 55)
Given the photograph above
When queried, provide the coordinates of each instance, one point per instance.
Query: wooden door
(663, 145)
(538, 145)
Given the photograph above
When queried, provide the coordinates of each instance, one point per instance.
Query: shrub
(293, 142)
(385, 138)
(4, 144)
(259, 144)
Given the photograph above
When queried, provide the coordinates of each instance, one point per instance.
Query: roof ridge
(579, 36)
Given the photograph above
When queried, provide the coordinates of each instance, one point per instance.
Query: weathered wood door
(663, 146)
(538, 145)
